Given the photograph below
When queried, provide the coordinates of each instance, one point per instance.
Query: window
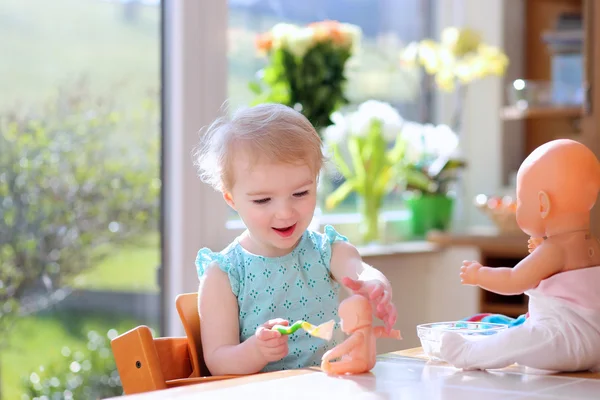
(387, 26)
(79, 187)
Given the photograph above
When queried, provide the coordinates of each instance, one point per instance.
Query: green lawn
(45, 43)
(38, 340)
(131, 268)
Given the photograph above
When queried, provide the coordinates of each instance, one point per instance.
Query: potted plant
(458, 59)
(368, 152)
(431, 165)
(306, 68)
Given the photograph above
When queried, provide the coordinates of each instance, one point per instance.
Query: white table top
(395, 376)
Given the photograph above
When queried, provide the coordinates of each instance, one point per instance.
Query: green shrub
(88, 373)
(77, 176)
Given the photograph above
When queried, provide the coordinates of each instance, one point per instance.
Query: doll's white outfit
(562, 332)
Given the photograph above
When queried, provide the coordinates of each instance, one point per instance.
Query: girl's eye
(301, 194)
(261, 201)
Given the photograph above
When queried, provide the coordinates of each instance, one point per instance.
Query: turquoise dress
(296, 286)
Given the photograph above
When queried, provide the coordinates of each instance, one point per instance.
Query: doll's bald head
(559, 178)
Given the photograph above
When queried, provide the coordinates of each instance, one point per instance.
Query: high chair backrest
(146, 363)
(187, 307)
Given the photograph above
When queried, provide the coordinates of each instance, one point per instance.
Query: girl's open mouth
(285, 232)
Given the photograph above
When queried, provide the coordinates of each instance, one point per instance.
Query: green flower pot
(429, 212)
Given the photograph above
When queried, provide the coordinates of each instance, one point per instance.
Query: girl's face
(276, 201)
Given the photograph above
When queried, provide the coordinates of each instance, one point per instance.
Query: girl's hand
(271, 345)
(380, 297)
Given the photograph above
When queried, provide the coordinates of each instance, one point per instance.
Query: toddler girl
(266, 161)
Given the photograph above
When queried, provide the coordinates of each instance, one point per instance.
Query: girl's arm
(219, 327)
(347, 262)
(348, 268)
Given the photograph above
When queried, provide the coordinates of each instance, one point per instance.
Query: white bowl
(431, 334)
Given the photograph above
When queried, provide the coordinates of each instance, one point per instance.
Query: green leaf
(396, 154)
(341, 163)
(418, 180)
(340, 194)
(255, 87)
(354, 146)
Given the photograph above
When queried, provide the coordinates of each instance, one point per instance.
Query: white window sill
(400, 248)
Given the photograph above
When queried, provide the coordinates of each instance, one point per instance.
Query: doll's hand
(469, 272)
(271, 344)
(380, 297)
(533, 243)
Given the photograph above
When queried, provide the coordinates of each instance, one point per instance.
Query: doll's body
(557, 186)
(359, 351)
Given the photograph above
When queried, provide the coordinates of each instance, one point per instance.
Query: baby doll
(266, 160)
(557, 186)
(358, 351)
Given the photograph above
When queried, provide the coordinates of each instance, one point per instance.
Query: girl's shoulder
(228, 260)
(322, 242)
(328, 237)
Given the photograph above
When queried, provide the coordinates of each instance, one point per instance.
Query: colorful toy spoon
(323, 331)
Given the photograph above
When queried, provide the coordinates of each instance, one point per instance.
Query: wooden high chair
(146, 363)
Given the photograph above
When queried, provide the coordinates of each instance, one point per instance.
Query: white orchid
(434, 153)
(337, 132)
(359, 123)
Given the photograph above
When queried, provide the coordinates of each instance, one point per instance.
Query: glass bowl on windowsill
(524, 94)
(502, 211)
(430, 334)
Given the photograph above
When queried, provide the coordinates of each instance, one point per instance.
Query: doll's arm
(380, 332)
(357, 339)
(544, 262)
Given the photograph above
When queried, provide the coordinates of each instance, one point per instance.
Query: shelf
(489, 241)
(514, 113)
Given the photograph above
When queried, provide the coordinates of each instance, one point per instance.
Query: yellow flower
(428, 56)
(461, 41)
(445, 80)
(460, 56)
(495, 60)
(464, 71)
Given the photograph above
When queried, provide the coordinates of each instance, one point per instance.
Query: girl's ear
(229, 199)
